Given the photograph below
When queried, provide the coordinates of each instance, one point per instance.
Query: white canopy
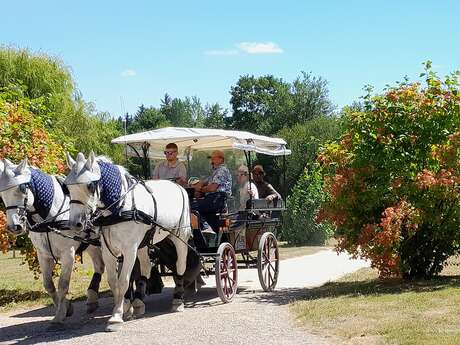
(194, 139)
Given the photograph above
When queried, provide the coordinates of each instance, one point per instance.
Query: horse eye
(91, 187)
(23, 188)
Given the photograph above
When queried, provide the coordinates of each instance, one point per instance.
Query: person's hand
(197, 186)
(251, 192)
(270, 198)
(181, 180)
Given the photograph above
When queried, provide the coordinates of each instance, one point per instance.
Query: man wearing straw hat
(216, 189)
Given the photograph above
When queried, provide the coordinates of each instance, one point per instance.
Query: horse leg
(181, 263)
(47, 267)
(120, 283)
(129, 295)
(64, 305)
(143, 260)
(111, 265)
(92, 293)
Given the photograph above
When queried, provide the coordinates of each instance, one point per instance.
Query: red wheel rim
(269, 261)
(228, 273)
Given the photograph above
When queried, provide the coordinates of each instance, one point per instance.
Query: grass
(19, 289)
(362, 309)
(287, 252)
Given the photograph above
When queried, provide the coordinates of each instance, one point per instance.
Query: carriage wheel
(226, 271)
(268, 260)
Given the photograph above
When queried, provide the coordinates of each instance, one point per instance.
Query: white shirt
(244, 194)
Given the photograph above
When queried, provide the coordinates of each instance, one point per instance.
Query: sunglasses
(168, 153)
(242, 174)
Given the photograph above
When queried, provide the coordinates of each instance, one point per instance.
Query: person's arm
(252, 190)
(273, 193)
(182, 178)
(209, 188)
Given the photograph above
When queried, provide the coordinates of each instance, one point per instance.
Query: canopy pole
(249, 163)
(145, 150)
(187, 150)
(284, 177)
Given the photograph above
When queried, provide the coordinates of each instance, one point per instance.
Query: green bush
(304, 141)
(299, 225)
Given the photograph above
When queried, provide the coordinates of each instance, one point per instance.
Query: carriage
(245, 238)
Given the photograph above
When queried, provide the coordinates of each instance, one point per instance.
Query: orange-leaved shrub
(22, 134)
(393, 178)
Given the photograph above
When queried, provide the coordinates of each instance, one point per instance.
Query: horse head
(82, 182)
(16, 194)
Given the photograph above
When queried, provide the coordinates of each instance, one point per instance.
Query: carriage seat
(263, 204)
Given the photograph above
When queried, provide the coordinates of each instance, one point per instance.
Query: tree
(260, 104)
(214, 116)
(147, 119)
(178, 112)
(265, 105)
(304, 140)
(310, 97)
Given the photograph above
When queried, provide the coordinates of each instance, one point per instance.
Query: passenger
(266, 190)
(246, 189)
(171, 168)
(216, 189)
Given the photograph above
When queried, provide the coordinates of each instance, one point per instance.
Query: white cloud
(259, 47)
(221, 52)
(128, 73)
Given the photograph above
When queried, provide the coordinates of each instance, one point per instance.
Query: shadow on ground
(8, 296)
(81, 324)
(354, 288)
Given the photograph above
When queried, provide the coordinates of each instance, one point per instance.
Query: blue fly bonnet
(42, 188)
(110, 183)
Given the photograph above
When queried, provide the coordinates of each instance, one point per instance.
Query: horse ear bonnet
(110, 184)
(42, 188)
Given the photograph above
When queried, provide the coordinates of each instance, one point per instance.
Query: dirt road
(252, 318)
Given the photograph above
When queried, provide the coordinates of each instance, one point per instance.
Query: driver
(171, 168)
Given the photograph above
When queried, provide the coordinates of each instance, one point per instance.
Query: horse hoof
(177, 305)
(91, 307)
(55, 327)
(69, 309)
(138, 307)
(113, 327)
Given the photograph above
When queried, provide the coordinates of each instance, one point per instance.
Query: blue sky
(139, 50)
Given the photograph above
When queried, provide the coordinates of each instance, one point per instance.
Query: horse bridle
(22, 209)
(92, 187)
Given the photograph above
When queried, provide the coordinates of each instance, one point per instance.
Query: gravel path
(252, 318)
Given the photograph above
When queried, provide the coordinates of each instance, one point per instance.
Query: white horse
(98, 186)
(31, 196)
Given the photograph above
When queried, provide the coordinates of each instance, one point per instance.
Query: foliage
(259, 104)
(145, 119)
(299, 225)
(304, 141)
(42, 115)
(214, 117)
(394, 178)
(24, 135)
(48, 84)
(266, 104)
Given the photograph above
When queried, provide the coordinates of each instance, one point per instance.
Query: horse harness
(40, 186)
